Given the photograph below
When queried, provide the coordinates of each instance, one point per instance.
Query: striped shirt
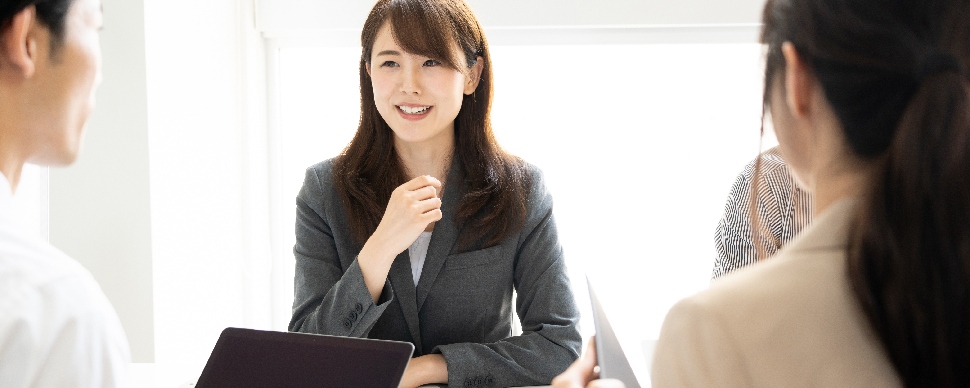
(783, 211)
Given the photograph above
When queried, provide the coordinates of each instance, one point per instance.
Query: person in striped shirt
(783, 210)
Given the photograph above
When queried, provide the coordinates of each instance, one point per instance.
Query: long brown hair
(895, 74)
(369, 169)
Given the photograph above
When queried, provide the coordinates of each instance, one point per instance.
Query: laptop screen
(254, 358)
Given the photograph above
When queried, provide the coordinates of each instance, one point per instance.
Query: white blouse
(418, 251)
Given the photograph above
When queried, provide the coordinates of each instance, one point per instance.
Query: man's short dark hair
(52, 13)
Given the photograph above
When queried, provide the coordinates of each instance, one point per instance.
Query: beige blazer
(791, 321)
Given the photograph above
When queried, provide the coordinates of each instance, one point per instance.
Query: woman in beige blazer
(869, 99)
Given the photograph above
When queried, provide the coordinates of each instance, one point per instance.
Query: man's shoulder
(29, 262)
(38, 278)
(52, 309)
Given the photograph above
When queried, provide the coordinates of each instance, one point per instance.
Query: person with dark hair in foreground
(423, 227)
(57, 328)
(869, 100)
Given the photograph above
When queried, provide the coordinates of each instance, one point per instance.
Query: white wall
(338, 23)
(99, 207)
(279, 17)
(180, 107)
(209, 224)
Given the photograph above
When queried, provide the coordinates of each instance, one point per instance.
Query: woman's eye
(431, 62)
(389, 64)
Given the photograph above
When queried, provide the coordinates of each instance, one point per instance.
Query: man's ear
(799, 81)
(18, 45)
(474, 76)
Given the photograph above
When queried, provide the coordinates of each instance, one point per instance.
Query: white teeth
(413, 110)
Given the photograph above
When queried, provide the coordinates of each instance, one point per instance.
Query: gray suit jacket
(461, 306)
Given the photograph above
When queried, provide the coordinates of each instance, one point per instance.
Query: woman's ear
(18, 44)
(474, 76)
(799, 81)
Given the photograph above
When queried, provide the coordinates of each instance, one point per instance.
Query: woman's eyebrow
(388, 52)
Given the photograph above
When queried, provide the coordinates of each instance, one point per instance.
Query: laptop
(244, 358)
(609, 355)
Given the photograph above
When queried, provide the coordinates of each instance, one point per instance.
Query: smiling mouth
(414, 110)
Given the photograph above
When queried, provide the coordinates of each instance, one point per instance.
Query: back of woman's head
(895, 73)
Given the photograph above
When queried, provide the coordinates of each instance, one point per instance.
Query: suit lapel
(401, 280)
(445, 233)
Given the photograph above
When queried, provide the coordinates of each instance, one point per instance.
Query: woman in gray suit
(422, 228)
(870, 100)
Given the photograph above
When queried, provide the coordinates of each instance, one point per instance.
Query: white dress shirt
(57, 328)
(418, 251)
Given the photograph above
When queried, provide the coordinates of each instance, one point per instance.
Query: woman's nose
(411, 81)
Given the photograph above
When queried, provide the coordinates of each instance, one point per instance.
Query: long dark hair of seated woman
(895, 73)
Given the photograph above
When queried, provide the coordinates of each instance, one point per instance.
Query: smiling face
(419, 97)
(63, 97)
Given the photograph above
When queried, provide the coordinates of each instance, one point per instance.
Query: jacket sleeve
(732, 238)
(547, 311)
(328, 299)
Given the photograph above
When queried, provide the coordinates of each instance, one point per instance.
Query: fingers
(428, 210)
(424, 203)
(426, 192)
(580, 372)
(422, 181)
(606, 383)
(412, 207)
(573, 377)
(594, 373)
(421, 194)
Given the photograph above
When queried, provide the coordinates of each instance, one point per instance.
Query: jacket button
(352, 316)
(348, 323)
(359, 307)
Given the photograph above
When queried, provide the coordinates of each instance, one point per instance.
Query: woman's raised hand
(412, 207)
